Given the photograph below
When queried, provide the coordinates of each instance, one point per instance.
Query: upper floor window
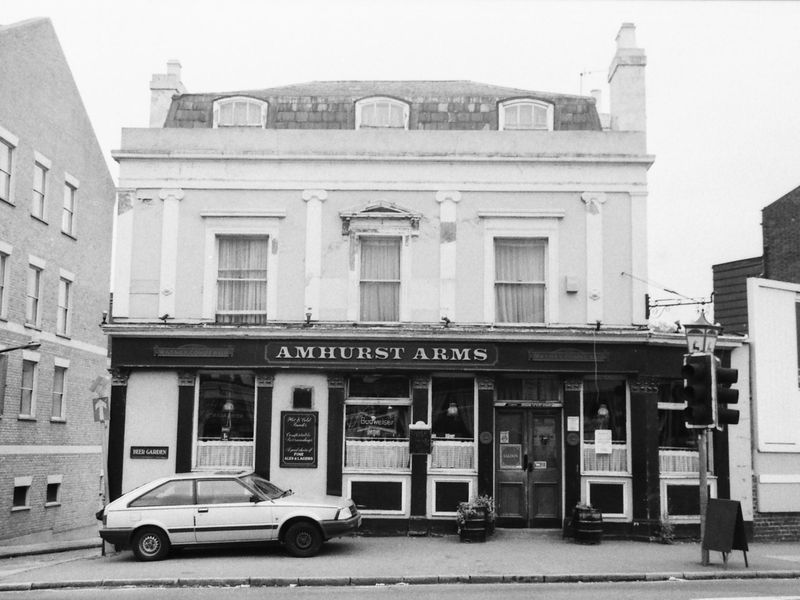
(381, 112)
(6, 154)
(39, 190)
(27, 399)
(68, 210)
(242, 279)
(380, 278)
(526, 114)
(240, 112)
(33, 295)
(3, 283)
(64, 306)
(520, 280)
(57, 411)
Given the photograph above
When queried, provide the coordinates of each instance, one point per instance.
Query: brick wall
(774, 527)
(780, 225)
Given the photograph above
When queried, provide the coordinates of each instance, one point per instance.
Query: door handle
(202, 510)
(525, 463)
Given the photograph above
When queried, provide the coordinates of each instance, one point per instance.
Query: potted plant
(476, 518)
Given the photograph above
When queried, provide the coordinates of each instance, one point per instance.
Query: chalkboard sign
(299, 439)
(725, 527)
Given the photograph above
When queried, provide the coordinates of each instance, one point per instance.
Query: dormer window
(240, 112)
(526, 115)
(381, 113)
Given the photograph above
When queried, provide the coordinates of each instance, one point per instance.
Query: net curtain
(380, 279)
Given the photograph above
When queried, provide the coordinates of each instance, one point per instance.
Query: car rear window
(172, 493)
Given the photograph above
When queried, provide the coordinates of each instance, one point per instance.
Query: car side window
(221, 491)
(172, 493)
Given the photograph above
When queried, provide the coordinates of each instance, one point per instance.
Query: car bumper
(336, 528)
(116, 536)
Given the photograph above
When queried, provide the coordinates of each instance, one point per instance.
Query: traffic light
(724, 394)
(698, 373)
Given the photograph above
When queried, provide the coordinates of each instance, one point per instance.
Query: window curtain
(457, 397)
(380, 279)
(519, 280)
(242, 280)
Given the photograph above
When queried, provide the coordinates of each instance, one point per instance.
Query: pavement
(508, 556)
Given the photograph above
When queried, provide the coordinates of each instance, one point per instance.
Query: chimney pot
(626, 38)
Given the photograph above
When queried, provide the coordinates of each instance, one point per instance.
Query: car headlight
(345, 513)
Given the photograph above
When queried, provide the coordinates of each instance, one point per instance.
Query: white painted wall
(775, 393)
(308, 481)
(151, 419)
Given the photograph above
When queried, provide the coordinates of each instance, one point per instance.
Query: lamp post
(701, 338)
(32, 345)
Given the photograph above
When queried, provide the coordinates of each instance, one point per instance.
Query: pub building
(407, 292)
(540, 421)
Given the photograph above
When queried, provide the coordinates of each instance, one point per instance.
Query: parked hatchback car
(205, 508)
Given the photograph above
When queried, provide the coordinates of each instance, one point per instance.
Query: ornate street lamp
(701, 336)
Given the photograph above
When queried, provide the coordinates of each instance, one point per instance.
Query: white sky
(722, 82)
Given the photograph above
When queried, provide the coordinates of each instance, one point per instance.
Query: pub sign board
(299, 439)
(149, 451)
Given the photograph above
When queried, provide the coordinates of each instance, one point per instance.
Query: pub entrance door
(528, 467)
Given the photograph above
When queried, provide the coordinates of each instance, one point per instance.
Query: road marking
(753, 598)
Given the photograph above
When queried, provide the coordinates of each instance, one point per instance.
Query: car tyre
(303, 539)
(150, 543)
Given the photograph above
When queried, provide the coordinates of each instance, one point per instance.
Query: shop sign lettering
(149, 452)
(372, 352)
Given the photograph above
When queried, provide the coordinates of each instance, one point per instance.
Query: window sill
(40, 219)
(58, 420)
(33, 326)
(9, 202)
(69, 235)
(51, 504)
(63, 336)
(19, 508)
(26, 418)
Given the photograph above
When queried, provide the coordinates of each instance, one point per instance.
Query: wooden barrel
(587, 524)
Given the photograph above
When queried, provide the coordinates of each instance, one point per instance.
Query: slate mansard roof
(454, 105)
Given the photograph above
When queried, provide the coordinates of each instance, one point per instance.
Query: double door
(528, 467)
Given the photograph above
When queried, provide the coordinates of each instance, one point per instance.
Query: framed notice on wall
(299, 439)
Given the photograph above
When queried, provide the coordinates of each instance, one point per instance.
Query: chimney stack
(626, 83)
(162, 88)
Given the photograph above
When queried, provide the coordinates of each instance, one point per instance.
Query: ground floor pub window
(225, 420)
(677, 445)
(453, 423)
(605, 425)
(377, 413)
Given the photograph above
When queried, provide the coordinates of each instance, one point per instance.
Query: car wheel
(150, 543)
(303, 539)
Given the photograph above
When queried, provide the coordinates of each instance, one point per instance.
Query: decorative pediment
(380, 217)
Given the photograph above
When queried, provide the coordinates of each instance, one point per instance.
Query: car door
(225, 512)
(170, 506)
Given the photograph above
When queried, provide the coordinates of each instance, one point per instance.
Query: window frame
(39, 197)
(61, 366)
(244, 281)
(535, 243)
(10, 141)
(518, 102)
(363, 242)
(521, 225)
(219, 225)
(585, 389)
(29, 358)
(263, 105)
(53, 480)
(5, 269)
(22, 482)
(69, 207)
(33, 304)
(354, 295)
(66, 282)
(375, 100)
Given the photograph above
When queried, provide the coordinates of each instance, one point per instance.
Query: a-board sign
(725, 527)
(149, 451)
(299, 439)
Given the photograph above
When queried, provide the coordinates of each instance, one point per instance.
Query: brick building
(760, 297)
(56, 198)
(448, 258)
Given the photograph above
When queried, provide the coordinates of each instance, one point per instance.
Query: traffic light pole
(702, 446)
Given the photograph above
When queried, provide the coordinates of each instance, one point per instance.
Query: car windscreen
(267, 488)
